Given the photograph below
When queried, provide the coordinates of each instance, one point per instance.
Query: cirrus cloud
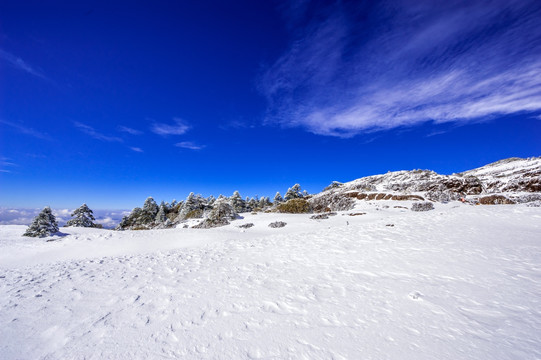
(357, 68)
(178, 128)
(189, 145)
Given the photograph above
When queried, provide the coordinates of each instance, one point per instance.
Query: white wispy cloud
(428, 61)
(27, 130)
(178, 128)
(89, 130)
(6, 165)
(189, 145)
(20, 64)
(129, 130)
(136, 149)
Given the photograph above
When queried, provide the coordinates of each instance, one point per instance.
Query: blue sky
(110, 102)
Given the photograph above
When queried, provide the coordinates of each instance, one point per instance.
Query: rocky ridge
(507, 181)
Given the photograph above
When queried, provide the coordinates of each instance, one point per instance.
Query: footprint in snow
(416, 295)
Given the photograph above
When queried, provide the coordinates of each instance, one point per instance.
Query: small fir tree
(238, 204)
(150, 210)
(253, 204)
(220, 215)
(82, 217)
(43, 225)
(293, 192)
(264, 202)
(278, 197)
(161, 216)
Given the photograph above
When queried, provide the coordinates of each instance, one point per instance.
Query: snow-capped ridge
(510, 177)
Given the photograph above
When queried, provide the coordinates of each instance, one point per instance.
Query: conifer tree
(263, 202)
(220, 215)
(190, 204)
(82, 217)
(278, 197)
(132, 220)
(161, 216)
(293, 192)
(43, 225)
(254, 204)
(238, 204)
(150, 210)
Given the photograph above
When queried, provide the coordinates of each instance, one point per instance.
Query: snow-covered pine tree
(278, 197)
(124, 223)
(43, 225)
(264, 202)
(293, 192)
(210, 200)
(150, 210)
(82, 217)
(190, 203)
(191, 208)
(238, 204)
(161, 216)
(220, 215)
(166, 205)
(251, 204)
(132, 220)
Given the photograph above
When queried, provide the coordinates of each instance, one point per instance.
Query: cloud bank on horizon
(356, 68)
(20, 216)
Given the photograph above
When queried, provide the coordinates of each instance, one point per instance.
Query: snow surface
(458, 282)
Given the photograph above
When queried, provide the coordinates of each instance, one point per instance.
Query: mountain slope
(510, 178)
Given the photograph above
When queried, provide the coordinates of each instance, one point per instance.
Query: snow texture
(458, 282)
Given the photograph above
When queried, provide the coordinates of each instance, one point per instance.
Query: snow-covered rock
(511, 178)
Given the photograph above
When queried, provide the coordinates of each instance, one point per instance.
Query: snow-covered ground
(458, 282)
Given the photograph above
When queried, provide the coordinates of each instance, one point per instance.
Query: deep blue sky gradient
(85, 88)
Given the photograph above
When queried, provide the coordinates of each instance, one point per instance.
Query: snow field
(459, 282)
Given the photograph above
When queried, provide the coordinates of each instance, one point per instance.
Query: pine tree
(124, 223)
(192, 207)
(161, 216)
(190, 204)
(238, 204)
(293, 192)
(82, 217)
(132, 220)
(43, 225)
(150, 210)
(220, 215)
(264, 202)
(253, 204)
(278, 197)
